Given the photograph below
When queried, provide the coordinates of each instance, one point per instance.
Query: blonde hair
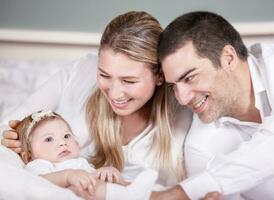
(136, 35)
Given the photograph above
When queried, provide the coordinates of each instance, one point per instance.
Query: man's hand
(175, 193)
(10, 137)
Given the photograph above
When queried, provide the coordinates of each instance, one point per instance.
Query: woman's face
(127, 84)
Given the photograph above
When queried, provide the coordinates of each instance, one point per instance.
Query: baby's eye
(49, 139)
(68, 135)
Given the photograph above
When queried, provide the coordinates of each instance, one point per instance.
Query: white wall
(28, 44)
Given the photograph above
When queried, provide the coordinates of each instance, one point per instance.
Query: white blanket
(18, 184)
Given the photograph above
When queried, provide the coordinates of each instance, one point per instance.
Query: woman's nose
(116, 91)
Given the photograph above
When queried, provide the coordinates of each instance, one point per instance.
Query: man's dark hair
(208, 32)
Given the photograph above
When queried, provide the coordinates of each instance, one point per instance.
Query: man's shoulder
(261, 50)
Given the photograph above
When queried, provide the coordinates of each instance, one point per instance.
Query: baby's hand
(213, 196)
(84, 183)
(110, 174)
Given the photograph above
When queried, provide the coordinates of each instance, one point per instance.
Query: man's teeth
(120, 101)
(198, 105)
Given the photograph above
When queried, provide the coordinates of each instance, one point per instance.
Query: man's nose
(183, 93)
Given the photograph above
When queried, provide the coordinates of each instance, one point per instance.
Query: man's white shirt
(232, 156)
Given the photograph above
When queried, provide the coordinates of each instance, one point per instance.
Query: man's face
(209, 91)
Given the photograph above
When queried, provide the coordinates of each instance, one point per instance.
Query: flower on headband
(38, 116)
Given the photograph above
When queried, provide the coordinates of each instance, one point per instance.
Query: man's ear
(229, 58)
(25, 156)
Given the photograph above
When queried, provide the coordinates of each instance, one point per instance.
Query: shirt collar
(257, 81)
(260, 92)
(261, 99)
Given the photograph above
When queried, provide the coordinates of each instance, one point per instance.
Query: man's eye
(189, 78)
(49, 139)
(68, 135)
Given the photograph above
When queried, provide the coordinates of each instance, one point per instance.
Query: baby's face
(52, 140)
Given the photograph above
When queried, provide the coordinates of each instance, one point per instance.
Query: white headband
(38, 116)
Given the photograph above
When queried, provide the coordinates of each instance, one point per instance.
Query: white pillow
(20, 78)
(8, 156)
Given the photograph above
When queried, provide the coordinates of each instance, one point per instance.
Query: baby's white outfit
(139, 189)
(41, 166)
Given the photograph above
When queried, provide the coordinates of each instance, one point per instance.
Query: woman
(127, 116)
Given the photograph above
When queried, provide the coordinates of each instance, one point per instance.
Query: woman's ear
(160, 79)
(229, 58)
(25, 156)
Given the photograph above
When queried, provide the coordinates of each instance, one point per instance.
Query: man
(231, 92)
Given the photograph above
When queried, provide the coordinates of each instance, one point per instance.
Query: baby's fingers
(103, 176)
(110, 177)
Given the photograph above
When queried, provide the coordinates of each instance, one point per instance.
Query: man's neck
(245, 106)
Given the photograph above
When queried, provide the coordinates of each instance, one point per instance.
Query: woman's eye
(68, 135)
(129, 82)
(49, 139)
(170, 85)
(104, 76)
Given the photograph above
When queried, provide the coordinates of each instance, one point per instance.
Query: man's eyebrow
(185, 74)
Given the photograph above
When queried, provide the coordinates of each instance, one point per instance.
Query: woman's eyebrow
(100, 69)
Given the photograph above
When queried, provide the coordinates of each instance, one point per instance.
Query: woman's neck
(134, 124)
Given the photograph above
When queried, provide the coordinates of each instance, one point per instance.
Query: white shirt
(66, 93)
(232, 156)
(41, 166)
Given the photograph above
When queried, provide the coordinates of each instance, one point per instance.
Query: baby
(50, 150)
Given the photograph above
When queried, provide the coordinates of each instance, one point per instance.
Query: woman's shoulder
(89, 60)
(87, 63)
(87, 66)
(81, 72)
